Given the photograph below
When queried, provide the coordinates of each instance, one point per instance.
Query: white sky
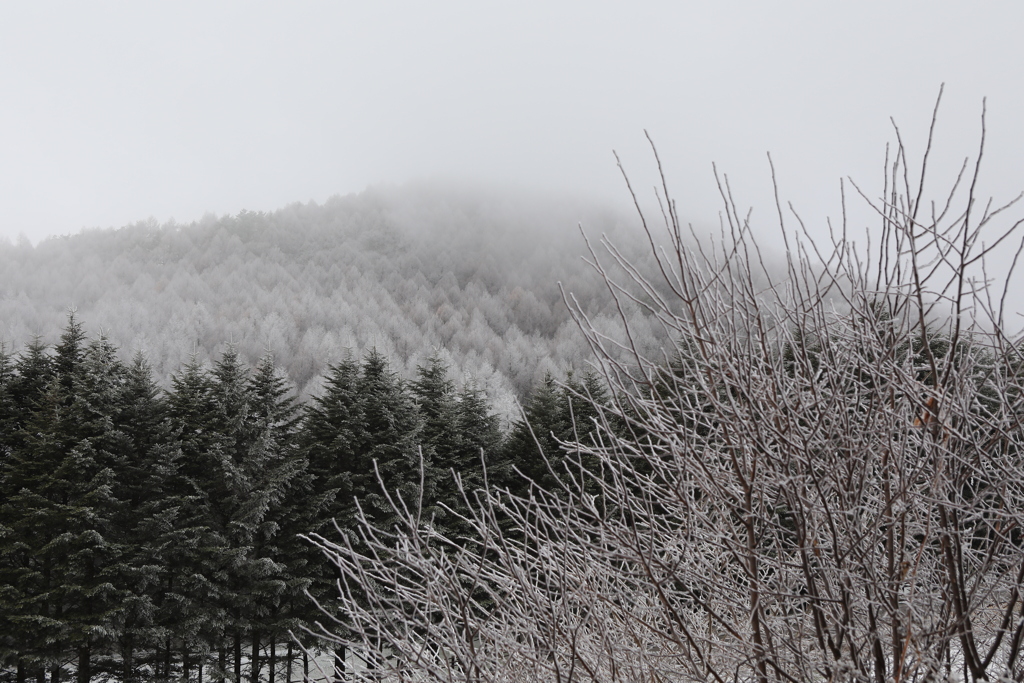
(114, 112)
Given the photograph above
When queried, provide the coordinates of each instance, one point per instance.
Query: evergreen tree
(23, 388)
(480, 439)
(439, 438)
(228, 487)
(581, 402)
(8, 408)
(532, 447)
(458, 431)
(147, 510)
(68, 354)
(434, 393)
(553, 416)
(389, 456)
(13, 643)
(145, 533)
(270, 462)
(33, 371)
(190, 602)
(361, 433)
(96, 596)
(57, 519)
(330, 440)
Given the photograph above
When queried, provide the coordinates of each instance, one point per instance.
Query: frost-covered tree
(59, 546)
(819, 480)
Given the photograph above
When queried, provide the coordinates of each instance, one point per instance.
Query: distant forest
(244, 381)
(149, 534)
(410, 272)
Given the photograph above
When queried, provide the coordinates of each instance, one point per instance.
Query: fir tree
(57, 520)
(330, 440)
(389, 457)
(480, 439)
(439, 438)
(96, 595)
(147, 509)
(270, 463)
(458, 433)
(190, 602)
(581, 402)
(25, 382)
(33, 371)
(532, 447)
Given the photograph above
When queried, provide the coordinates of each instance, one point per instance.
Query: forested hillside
(224, 386)
(152, 535)
(471, 275)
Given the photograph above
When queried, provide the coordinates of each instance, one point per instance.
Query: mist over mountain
(406, 270)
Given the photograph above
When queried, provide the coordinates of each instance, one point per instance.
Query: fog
(114, 112)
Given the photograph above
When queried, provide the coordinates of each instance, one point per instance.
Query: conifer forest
(729, 464)
(148, 533)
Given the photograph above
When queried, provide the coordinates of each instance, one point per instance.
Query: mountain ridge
(408, 270)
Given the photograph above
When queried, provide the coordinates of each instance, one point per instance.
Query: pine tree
(362, 433)
(33, 371)
(19, 573)
(12, 643)
(390, 457)
(8, 408)
(190, 601)
(458, 433)
(68, 354)
(58, 544)
(270, 463)
(532, 447)
(96, 596)
(147, 509)
(480, 439)
(581, 400)
(439, 438)
(228, 487)
(330, 439)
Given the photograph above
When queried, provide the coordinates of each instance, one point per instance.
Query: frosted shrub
(822, 479)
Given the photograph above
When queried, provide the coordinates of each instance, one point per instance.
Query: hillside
(404, 270)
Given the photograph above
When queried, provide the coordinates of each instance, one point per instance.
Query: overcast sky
(115, 112)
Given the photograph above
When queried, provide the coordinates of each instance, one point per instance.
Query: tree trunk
(238, 657)
(21, 670)
(339, 664)
(84, 664)
(167, 658)
(41, 674)
(222, 662)
(288, 670)
(254, 661)
(305, 667)
(55, 673)
(273, 659)
(128, 660)
(186, 663)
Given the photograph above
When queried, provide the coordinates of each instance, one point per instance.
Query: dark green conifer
(389, 459)
(148, 508)
(190, 601)
(439, 438)
(270, 463)
(532, 447)
(58, 546)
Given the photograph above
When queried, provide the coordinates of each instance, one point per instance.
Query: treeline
(403, 270)
(149, 534)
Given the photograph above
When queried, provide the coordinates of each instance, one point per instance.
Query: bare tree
(822, 479)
